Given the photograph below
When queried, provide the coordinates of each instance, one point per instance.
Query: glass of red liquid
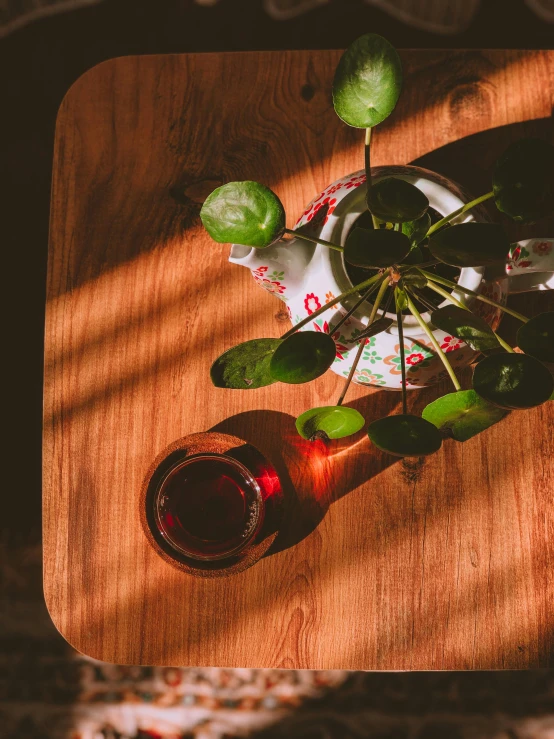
(208, 507)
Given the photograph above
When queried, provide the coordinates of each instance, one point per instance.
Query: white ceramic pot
(307, 276)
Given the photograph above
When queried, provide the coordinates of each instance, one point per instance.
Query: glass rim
(252, 484)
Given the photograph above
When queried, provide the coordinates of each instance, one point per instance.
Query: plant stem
(449, 283)
(446, 295)
(452, 299)
(377, 303)
(364, 297)
(357, 288)
(414, 311)
(367, 157)
(423, 299)
(367, 164)
(313, 240)
(463, 209)
(402, 359)
(351, 373)
(378, 299)
(387, 304)
(504, 344)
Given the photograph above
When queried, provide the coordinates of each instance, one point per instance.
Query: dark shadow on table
(474, 173)
(314, 475)
(470, 162)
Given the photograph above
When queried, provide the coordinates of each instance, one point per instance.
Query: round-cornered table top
(384, 565)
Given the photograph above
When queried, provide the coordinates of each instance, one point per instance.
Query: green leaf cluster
(397, 242)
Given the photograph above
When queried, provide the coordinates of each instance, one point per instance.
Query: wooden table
(385, 565)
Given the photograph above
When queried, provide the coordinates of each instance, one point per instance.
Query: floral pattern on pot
(321, 288)
(451, 343)
(370, 354)
(542, 248)
(272, 283)
(417, 356)
(519, 257)
(311, 303)
(380, 362)
(366, 377)
(328, 297)
(314, 209)
(328, 201)
(532, 255)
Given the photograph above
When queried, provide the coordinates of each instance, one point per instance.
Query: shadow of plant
(313, 474)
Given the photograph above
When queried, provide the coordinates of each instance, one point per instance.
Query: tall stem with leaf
(367, 166)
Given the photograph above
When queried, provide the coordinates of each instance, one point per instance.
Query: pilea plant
(400, 245)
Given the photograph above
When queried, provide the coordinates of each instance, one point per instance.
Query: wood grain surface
(384, 564)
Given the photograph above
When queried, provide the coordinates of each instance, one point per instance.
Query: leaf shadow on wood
(313, 474)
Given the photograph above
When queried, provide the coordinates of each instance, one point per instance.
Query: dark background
(38, 64)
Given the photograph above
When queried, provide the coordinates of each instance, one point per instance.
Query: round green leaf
(367, 82)
(243, 213)
(396, 201)
(512, 381)
(405, 436)
(523, 180)
(303, 357)
(463, 324)
(333, 422)
(375, 248)
(416, 230)
(245, 366)
(470, 244)
(462, 414)
(536, 337)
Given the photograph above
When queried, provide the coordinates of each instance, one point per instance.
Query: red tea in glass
(208, 506)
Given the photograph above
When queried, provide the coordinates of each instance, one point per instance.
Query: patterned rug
(49, 691)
